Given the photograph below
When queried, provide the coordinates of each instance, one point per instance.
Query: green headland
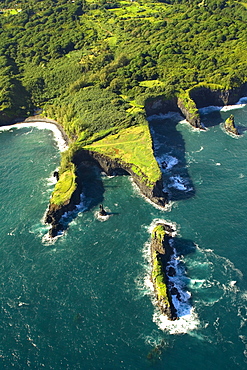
(92, 66)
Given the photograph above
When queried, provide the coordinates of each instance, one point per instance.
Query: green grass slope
(131, 146)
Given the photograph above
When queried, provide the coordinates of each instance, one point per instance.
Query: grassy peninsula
(132, 146)
(92, 64)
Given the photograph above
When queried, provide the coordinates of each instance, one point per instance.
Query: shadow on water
(92, 192)
(169, 150)
(212, 119)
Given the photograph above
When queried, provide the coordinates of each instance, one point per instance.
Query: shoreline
(60, 135)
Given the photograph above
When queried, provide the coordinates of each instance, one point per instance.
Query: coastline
(42, 123)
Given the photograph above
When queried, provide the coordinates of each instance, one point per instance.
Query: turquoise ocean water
(85, 301)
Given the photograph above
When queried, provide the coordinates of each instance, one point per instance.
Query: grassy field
(158, 279)
(132, 146)
(64, 188)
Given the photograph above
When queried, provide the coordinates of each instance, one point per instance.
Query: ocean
(84, 300)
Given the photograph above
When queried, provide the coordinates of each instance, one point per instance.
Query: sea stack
(230, 125)
(102, 212)
(161, 253)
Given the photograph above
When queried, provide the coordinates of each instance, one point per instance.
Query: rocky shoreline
(110, 167)
(200, 96)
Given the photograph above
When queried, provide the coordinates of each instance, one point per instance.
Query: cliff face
(114, 167)
(160, 105)
(204, 97)
(191, 115)
(200, 97)
(110, 167)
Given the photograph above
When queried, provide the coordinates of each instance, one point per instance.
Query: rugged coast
(109, 166)
(189, 102)
(111, 160)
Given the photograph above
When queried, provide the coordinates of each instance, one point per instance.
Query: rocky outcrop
(230, 125)
(190, 112)
(54, 214)
(161, 253)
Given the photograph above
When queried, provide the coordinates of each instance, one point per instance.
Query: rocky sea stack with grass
(161, 252)
(230, 125)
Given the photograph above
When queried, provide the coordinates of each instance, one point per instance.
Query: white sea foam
(213, 108)
(185, 324)
(62, 145)
(190, 127)
(227, 108)
(179, 183)
(157, 221)
(166, 208)
(47, 240)
(167, 162)
(102, 218)
(51, 180)
(198, 151)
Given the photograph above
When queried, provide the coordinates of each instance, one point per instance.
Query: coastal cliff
(130, 151)
(57, 209)
(161, 253)
(66, 196)
(115, 167)
(188, 102)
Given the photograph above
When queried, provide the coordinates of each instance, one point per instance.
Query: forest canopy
(91, 64)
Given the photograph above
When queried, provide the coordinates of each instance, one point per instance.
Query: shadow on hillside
(169, 151)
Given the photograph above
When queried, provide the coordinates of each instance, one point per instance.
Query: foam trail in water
(61, 143)
(232, 107)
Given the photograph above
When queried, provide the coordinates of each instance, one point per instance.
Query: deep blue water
(84, 301)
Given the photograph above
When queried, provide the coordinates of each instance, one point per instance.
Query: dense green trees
(55, 52)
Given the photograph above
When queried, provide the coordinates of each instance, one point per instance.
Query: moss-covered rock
(161, 253)
(230, 125)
